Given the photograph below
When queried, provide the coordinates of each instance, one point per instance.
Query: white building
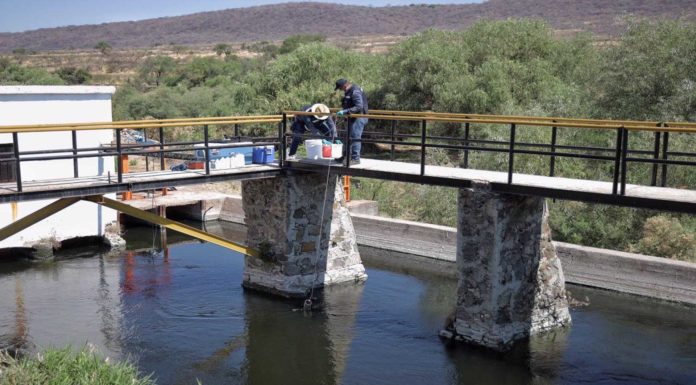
(24, 105)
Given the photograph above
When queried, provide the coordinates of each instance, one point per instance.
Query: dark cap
(340, 83)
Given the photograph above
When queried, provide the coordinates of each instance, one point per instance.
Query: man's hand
(341, 113)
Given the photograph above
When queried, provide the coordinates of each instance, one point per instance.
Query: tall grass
(67, 367)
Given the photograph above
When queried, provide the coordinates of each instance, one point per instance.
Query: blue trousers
(356, 127)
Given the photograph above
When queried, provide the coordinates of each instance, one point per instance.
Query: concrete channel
(423, 247)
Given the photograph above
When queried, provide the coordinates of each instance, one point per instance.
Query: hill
(273, 22)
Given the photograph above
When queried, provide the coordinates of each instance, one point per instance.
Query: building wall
(20, 105)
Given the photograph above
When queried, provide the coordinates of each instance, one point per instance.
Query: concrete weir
(304, 246)
(511, 282)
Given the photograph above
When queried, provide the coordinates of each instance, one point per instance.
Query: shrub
(664, 236)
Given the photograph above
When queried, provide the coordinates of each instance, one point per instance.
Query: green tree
(103, 47)
(73, 75)
(651, 73)
(294, 42)
(154, 70)
(223, 49)
(14, 74)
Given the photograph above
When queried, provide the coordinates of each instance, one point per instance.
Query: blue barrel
(263, 154)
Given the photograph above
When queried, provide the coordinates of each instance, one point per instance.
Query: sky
(23, 15)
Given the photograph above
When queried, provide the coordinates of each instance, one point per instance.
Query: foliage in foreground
(64, 366)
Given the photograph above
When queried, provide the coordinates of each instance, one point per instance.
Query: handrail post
(552, 165)
(393, 138)
(511, 155)
(236, 129)
(161, 146)
(18, 168)
(466, 143)
(617, 160)
(423, 129)
(147, 158)
(74, 151)
(348, 142)
(206, 142)
(624, 164)
(282, 129)
(665, 153)
(119, 151)
(656, 156)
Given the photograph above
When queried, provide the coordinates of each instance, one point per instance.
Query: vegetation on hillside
(506, 67)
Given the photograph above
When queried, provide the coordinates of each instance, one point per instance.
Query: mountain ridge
(277, 21)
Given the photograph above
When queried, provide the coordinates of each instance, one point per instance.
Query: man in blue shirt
(320, 124)
(354, 102)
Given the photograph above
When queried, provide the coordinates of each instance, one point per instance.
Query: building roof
(56, 90)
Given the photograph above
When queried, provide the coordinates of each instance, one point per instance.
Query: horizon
(27, 15)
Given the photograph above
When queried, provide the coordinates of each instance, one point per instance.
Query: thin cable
(308, 301)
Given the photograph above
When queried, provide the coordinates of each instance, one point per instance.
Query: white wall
(20, 105)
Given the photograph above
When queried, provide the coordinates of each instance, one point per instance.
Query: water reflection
(184, 316)
(298, 347)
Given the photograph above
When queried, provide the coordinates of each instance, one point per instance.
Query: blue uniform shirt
(355, 101)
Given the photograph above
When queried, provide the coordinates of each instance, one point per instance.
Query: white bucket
(313, 147)
(336, 150)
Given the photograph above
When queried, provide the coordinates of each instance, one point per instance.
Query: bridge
(630, 147)
(300, 236)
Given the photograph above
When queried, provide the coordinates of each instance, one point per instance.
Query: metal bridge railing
(619, 154)
(158, 149)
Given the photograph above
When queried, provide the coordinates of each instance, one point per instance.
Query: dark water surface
(186, 317)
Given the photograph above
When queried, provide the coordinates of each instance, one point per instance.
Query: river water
(185, 317)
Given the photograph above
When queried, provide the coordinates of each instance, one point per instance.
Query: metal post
(423, 128)
(74, 151)
(466, 143)
(348, 143)
(207, 149)
(18, 168)
(656, 155)
(282, 129)
(624, 155)
(393, 138)
(665, 153)
(552, 165)
(236, 129)
(147, 158)
(119, 151)
(161, 146)
(511, 154)
(617, 160)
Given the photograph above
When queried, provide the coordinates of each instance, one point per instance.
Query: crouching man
(319, 124)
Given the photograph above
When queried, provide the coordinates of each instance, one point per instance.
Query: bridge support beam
(301, 247)
(511, 282)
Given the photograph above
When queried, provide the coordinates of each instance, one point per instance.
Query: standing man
(354, 102)
(320, 124)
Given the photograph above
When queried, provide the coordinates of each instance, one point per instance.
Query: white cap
(322, 109)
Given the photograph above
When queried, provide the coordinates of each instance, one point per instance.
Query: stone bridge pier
(304, 246)
(511, 283)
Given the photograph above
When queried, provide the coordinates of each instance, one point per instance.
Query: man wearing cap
(321, 124)
(354, 102)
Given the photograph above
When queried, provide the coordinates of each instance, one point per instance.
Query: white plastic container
(313, 147)
(236, 160)
(336, 150)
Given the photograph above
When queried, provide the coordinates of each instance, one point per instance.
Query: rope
(307, 306)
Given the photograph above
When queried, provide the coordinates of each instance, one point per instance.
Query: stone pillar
(284, 217)
(511, 283)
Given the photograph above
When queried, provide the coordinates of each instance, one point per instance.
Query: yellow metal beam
(173, 225)
(35, 217)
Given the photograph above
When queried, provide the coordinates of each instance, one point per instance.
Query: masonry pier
(304, 247)
(511, 282)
